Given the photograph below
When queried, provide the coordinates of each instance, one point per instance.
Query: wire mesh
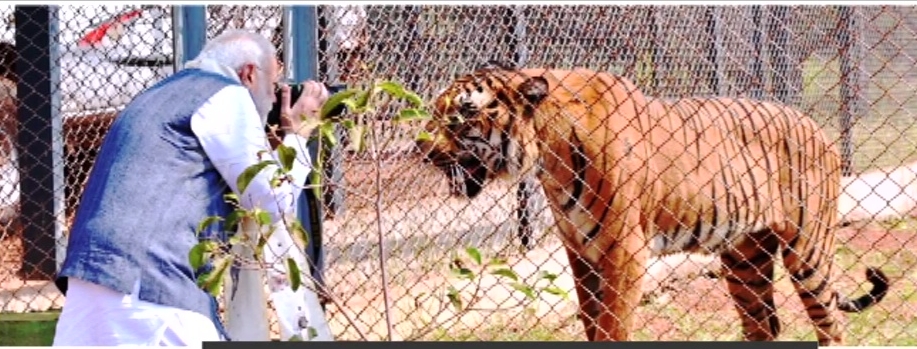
(848, 68)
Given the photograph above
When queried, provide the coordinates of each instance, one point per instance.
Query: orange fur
(629, 176)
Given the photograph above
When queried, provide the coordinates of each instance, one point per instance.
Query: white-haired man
(166, 163)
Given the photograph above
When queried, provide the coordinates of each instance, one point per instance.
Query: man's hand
(302, 117)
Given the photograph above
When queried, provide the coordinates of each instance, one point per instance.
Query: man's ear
(247, 74)
(534, 89)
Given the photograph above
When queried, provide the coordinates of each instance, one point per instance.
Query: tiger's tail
(879, 289)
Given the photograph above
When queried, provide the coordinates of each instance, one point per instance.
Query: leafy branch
(471, 268)
(361, 105)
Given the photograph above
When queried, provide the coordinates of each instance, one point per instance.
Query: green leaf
(347, 124)
(295, 338)
(311, 332)
(294, 274)
(357, 137)
(200, 253)
(206, 222)
(231, 198)
(361, 101)
(212, 282)
(233, 218)
(424, 136)
(497, 261)
(506, 272)
(262, 217)
(548, 276)
(463, 273)
(249, 174)
(393, 88)
(316, 181)
(327, 132)
(262, 241)
(237, 239)
(454, 298)
(299, 232)
(411, 114)
(334, 101)
(413, 98)
(526, 289)
(276, 182)
(287, 155)
(474, 254)
(555, 291)
(397, 90)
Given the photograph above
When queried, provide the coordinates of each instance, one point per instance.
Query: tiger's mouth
(465, 172)
(466, 176)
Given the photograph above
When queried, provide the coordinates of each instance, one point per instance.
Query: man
(165, 165)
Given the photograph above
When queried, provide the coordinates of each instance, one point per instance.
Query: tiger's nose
(467, 107)
(439, 158)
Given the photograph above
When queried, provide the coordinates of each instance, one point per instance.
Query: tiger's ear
(534, 89)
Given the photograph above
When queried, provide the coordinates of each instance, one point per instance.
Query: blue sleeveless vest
(150, 187)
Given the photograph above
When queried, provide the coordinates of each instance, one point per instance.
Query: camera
(273, 118)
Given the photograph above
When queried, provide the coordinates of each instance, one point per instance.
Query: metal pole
(715, 51)
(178, 42)
(853, 81)
(300, 55)
(189, 26)
(39, 141)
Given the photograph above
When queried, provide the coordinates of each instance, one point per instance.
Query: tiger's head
(482, 127)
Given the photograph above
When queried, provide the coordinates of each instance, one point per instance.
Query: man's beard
(263, 102)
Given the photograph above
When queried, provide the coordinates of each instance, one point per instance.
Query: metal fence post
(853, 81)
(301, 56)
(787, 74)
(716, 53)
(756, 90)
(189, 26)
(514, 21)
(334, 170)
(40, 141)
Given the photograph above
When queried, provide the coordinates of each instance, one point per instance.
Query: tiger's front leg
(622, 270)
(588, 282)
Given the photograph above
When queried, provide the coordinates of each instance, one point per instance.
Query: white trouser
(98, 316)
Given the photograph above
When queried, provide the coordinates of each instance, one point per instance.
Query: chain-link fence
(849, 68)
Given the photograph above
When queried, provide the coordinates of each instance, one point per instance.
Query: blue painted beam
(39, 140)
(189, 33)
(301, 58)
(194, 31)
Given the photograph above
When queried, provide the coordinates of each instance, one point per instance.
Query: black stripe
(598, 225)
(753, 282)
(613, 244)
(804, 274)
(597, 194)
(716, 209)
(695, 234)
(730, 214)
(578, 159)
(791, 246)
(504, 149)
(758, 259)
(815, 292)
(742, 300)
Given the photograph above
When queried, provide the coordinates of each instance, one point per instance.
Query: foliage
(360, 105)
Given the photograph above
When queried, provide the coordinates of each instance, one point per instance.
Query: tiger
(629, 176)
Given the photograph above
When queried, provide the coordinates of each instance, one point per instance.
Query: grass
(568, 329)
(882, 325)
(27, 329)
(885, 132)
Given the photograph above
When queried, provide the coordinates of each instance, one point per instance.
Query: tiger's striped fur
(628, 176)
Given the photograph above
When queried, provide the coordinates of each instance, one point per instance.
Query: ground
(694, 307)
